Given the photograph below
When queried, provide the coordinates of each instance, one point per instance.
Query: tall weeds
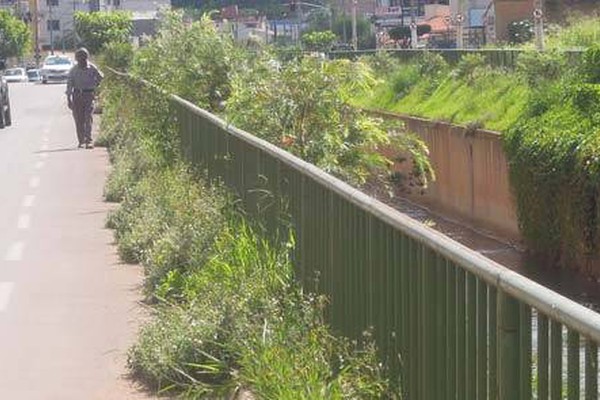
(227, 313)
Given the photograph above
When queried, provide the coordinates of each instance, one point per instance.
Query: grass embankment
(548, 108)
(472, 93)
(228, 315)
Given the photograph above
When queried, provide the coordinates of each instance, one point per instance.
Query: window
(52, 3)
(53, 25)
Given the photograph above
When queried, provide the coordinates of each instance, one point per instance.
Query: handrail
(560, 308)
(440, 312)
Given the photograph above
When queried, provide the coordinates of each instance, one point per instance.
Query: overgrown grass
(228, 314)
(472, 93)
(581, 32)
(555, 168)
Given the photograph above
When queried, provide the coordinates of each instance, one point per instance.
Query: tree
(403, 32)
(366, 38)
(277, 103)
(15, 36)
(99, 28)
(319, 41)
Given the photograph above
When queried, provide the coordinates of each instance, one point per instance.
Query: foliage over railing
(554, 155)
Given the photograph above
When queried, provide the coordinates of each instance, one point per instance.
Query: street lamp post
(354, 32)
(50, 24)
(538, 21)
(459, 30)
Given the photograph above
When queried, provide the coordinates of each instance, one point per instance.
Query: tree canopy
(100, 28)
(15, 36)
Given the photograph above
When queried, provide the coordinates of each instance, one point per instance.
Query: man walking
(82, 82)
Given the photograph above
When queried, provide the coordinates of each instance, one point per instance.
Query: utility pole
(413, 26)
(50, 24)
(354, 33)
(345, 33)
(35, 11)
(459, 19)
(538, 21)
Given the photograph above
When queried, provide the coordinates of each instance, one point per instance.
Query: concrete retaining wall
(472, 175)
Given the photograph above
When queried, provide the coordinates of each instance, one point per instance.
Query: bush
(555, 171)
(167, 223)
(590, 66)
(279, 106)
(470, 67)
(537, 67)
(520, 32)
(117, 55)
(193, 61)
(99, 28)
(318, 41)
(228, 305)
(245, 324)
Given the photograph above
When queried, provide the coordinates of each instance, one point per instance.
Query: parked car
(33, 75)
(5, 119)
(56, 68)
(15, 75)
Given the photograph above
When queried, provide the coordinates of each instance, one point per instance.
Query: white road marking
(39, 164)
(24, 221)
(28, 200)
(44, 147)
(43, 155)
(6, 289)
(46, 139)
(34, 182)
(15, 252)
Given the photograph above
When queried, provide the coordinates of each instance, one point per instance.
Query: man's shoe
(80, 146)
(89, 146)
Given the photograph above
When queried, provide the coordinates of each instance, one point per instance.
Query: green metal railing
(450, 323)
(506, 58)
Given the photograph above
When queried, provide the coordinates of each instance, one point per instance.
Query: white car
(15, 75)
(56, 68)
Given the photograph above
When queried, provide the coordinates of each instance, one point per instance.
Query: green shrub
(117, 55)
(540, 67)
(520, 31)
(279, 106)
(470, 67)
(579, 33)
(193, 61)
(245, 324)
(167, 222)
(227, 298)
(590, 66)
(555, 173)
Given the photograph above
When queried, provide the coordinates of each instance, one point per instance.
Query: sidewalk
(73, 309)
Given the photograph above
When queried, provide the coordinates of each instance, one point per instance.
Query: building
(504, 12)
(55, 28)
(390, 13)
(252, 28)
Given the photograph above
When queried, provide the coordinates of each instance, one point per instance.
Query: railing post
(508, 347)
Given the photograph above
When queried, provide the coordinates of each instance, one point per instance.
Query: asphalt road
(68, 309)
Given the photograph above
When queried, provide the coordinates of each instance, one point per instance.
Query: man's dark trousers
(83, 108)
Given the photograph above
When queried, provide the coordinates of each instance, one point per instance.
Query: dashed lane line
(15, 252)
(24, 221)
(34, 182)
(39, 165)
(28, 201)
(6, 289)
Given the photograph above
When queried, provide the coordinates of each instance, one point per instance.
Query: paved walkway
(68, 308)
